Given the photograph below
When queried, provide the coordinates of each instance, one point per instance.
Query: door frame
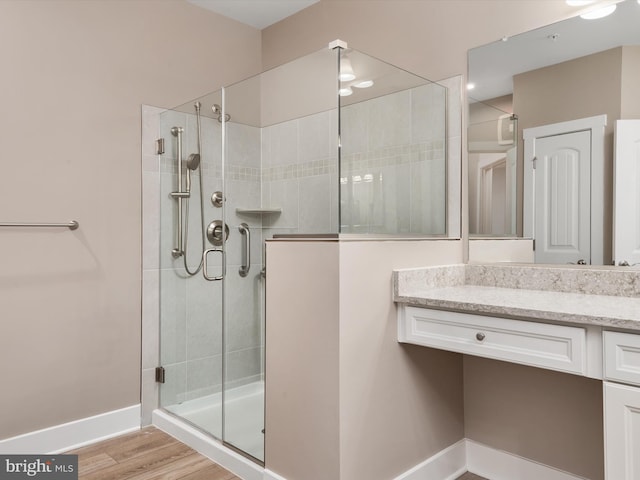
(596, 125)
(485, 188)
(624, 193)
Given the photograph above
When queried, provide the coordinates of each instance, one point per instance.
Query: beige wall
(344, 399)
(630, 108)
(302, 360)
(550, 417)
(491, 250)
(335, 368)
(74, 77)
(399, 404)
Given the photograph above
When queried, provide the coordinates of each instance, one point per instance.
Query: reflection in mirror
(531, 89)
(492, 168)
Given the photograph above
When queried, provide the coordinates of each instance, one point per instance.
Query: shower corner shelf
(258, 211)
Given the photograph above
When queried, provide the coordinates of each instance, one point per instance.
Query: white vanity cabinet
(622, 405)
(582, 321)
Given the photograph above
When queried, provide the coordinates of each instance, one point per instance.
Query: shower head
(217, 110)
(193, 161)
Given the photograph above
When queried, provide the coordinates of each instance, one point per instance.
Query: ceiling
(492, 67)
(256, 13)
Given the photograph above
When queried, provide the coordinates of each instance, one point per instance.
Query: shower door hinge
(160, 146)
(534, 244)
(160, 374)
(535, 159)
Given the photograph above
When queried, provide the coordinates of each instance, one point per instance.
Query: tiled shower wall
(187, 310)
(300, 175)
(404, 141)
(394, 164)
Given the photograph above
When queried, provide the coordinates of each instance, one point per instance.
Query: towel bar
(72, 225)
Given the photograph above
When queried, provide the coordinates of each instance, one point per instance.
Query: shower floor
(243, 416)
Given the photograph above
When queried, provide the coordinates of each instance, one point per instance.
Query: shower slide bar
(178, 251)
(72, 225)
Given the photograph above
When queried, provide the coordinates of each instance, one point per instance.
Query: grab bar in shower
(243, 228)
(72, 225)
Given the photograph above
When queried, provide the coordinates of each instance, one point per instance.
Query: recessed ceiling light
(599, 12)
(471, 86)
(345, 92)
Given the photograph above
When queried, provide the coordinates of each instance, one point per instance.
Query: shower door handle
(243, 228)
(205, 255)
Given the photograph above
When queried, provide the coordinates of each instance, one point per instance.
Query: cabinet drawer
(622, 357)
(555, 347)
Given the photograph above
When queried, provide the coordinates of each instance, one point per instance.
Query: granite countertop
(604, 296)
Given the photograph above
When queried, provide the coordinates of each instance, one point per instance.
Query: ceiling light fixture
(346, 70)
(599, 12)
(363, 84)
(345, 92)
(471, 86)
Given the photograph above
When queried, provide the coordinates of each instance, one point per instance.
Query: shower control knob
(217, 198)
(214, 233)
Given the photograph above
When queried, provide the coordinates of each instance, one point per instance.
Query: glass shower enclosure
(333, 143)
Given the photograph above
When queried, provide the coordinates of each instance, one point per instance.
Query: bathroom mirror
(535, 86)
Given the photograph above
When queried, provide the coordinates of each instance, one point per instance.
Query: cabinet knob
(480, 336)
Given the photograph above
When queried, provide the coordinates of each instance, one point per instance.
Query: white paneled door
(563, 191)
(563, 198)
(626, 219)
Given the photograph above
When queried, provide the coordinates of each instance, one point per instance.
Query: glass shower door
(211, 314)
(281, 177)
(190, 305)
(243, 346)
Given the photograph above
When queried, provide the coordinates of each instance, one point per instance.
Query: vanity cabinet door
(622, 432)
(622, 357)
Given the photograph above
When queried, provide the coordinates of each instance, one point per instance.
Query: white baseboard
(269, 475)
(447, 464)
(207, 446)
(72, 435)
(499, 465)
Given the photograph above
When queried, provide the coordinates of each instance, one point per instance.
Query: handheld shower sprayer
(193, 162)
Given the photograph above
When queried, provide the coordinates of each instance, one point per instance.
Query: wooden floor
(148, 454)
(151, 454)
